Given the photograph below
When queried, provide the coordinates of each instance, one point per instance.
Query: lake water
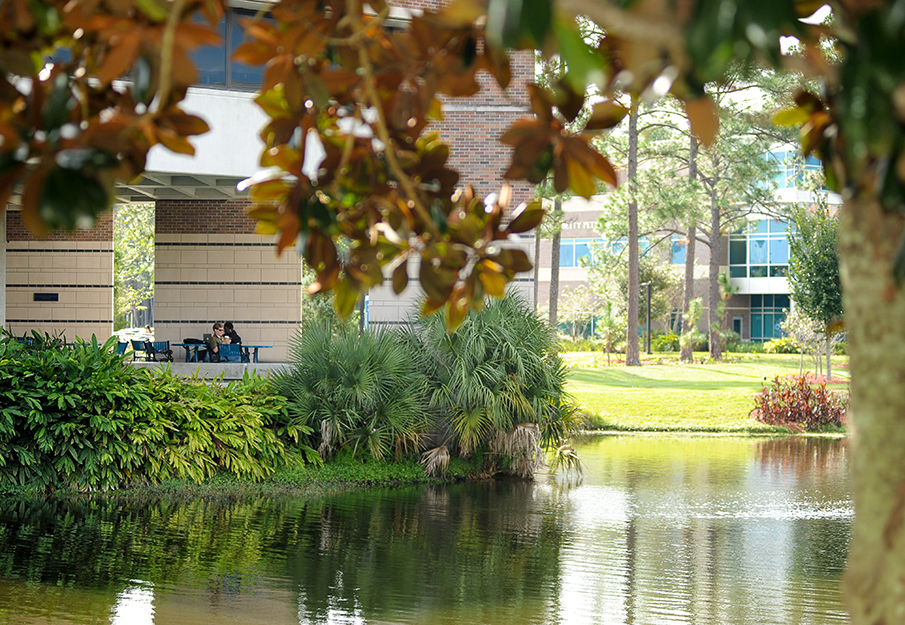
(661, 529)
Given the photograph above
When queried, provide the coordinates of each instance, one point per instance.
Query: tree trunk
(716, 349)
(536, 267)
(554, 264)
(632, 355)
(829, 355)
(687, 347)
(687, 355)
(874, 309)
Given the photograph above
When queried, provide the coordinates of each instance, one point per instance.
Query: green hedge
(79, 416)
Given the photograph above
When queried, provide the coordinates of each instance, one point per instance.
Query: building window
(761, 251)
(791, 168)
(679, 247)
(767, 312)
(214, 64)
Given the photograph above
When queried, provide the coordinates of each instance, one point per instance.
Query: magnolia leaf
(791, 117)
(154, 9)
(400, 277)
(526, 218)
(456, 313)
(606, 115)
(704, 120)
(345, 297)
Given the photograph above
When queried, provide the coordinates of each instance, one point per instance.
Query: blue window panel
(738, 252)
(679, 249)
(757, 325)
(759, 271)
(777, 227)
(779, 251)
(582, 250)
(738, 271)
(768, 301)
(567, 255)
(243, 76)
(761, 226)
(781, 301)
(757, 252)
(210, 61)
(779, 271)
(778, 319)
(757, 301)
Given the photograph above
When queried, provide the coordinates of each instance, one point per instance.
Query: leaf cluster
(79, 416)
(799, 404)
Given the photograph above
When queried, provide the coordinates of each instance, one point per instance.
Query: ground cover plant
(78, 416)
(798, 403)
(663, 395)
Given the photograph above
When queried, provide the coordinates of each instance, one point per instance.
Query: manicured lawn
(663, 395)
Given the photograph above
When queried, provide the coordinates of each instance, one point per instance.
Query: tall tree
(632, 353)
(686, 349)
(814, 270)
(133, 261)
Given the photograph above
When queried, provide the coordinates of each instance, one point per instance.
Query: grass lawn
(663, 395)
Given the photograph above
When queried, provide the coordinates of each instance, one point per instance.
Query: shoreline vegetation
(662, 397)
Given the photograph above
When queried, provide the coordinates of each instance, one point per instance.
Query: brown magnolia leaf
(580, 179)
(400, 277)
(808, 101)
(541, 103)
(253, 53)
(514, 260)
(456, 310)
(568, 101)
(120, 57)
(174, 142)
(606, 115)
(704, 119)
(31, 197)
(269, 190)
(526, 218)
(184, 123)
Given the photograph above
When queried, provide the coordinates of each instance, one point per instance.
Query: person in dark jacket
(230, 333)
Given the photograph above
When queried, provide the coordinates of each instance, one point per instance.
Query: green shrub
(79, 416)
(665, 342)
(497, 385)
(783, 345)
(365, 393)
(798, 404)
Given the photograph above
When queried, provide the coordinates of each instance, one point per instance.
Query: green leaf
(585, 67)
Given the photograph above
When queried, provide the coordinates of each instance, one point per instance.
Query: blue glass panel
(779, 251)
(567, 254)
(244, 77)
(757, 324)
(738, 271)
(778, 319)
(759, 271)
(757, 301)
(779, 271)
(781, 301)
(760, 226)
(757, 252)
(679, 247)
(210, 61)
(582, 250)
(738, 251)
(778, 226)
(768, 301)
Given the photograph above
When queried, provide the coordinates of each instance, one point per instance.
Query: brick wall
(62, 283)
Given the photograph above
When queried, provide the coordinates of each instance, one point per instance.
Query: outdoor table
(254, 357)
(191, 350)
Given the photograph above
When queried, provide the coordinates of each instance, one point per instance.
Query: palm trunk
(632, 354)
(874, 308)
(829, 364)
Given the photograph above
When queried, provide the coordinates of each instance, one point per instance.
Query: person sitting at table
(230, 333)
(214, 342)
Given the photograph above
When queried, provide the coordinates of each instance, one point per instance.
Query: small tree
(814, 270)
(133, 261)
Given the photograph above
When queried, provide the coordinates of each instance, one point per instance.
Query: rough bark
(554, 265)
(686, 353)
(874, 307)
(632, 355)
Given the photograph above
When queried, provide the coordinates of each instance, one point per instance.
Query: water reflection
(661, 530)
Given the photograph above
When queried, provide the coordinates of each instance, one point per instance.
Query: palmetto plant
(364, 393)
(496, 385)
